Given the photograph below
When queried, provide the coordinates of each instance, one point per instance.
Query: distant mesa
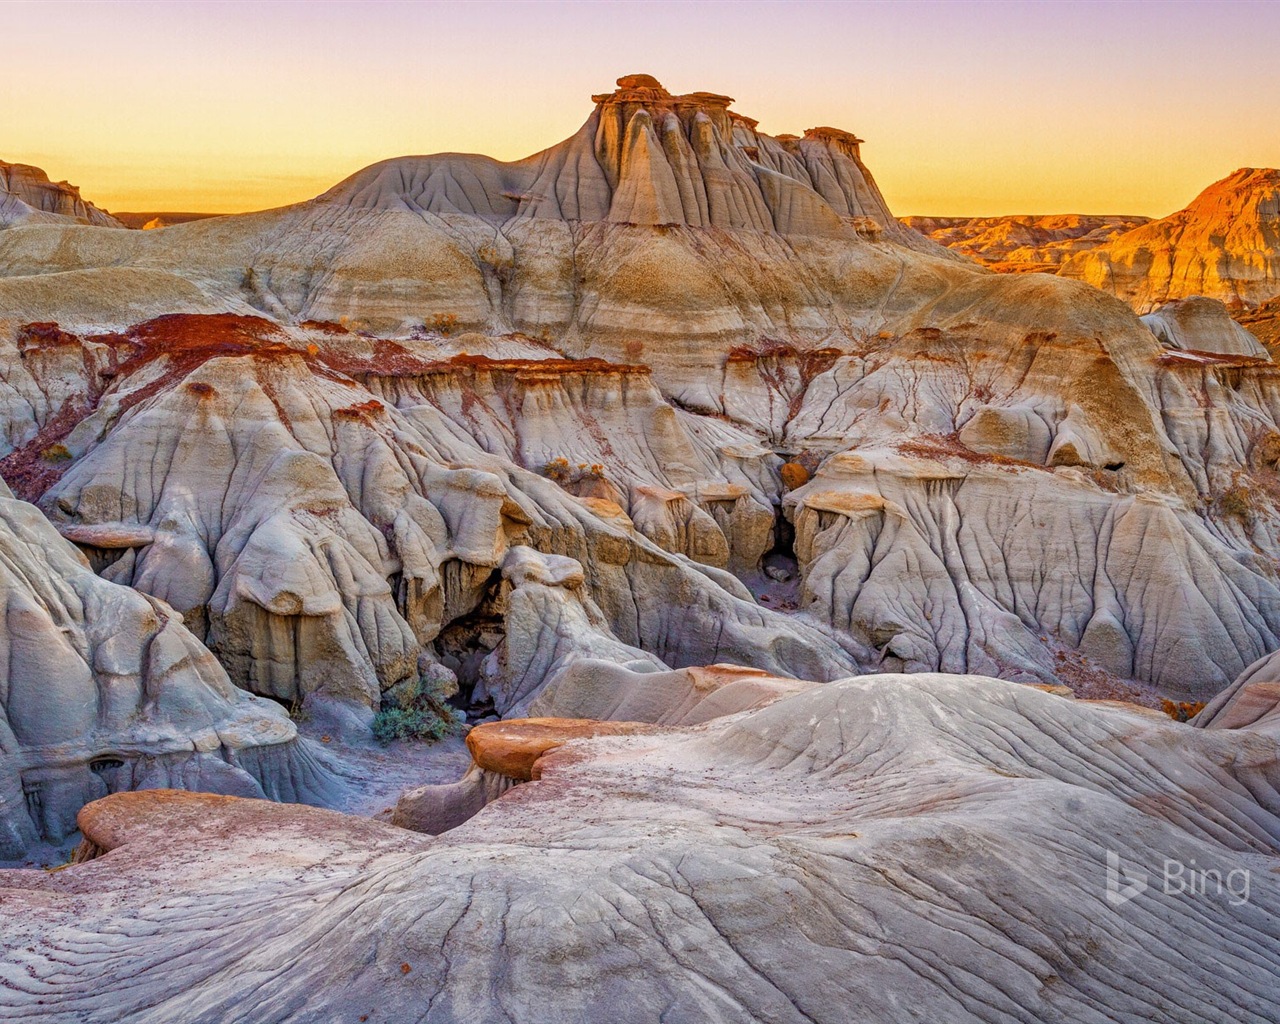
(1021, 244)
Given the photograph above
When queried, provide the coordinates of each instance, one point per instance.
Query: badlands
(807, 593)
(1023, 244)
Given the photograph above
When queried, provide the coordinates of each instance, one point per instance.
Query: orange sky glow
(967, 108)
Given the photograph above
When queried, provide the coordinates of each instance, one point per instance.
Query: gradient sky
(968, 108)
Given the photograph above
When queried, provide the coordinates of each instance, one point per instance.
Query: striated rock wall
(1224, 245)
(321, 539)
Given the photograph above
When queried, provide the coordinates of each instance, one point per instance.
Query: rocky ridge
(1225, 245)
(27, 196)
(1023, 244)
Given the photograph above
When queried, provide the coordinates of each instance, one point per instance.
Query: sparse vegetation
(417, 710)
(1182, 710)
(1236, 500)
(563, 472)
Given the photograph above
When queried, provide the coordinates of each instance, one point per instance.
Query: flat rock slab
(512, 748)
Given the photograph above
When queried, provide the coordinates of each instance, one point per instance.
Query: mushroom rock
(588, 698)
(512, 748)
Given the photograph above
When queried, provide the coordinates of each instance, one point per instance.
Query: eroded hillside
(794, 562)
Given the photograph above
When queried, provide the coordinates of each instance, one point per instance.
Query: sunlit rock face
(1224, 245)
(103, 690)
(1023, 244)
(910, 845)
(27, 196)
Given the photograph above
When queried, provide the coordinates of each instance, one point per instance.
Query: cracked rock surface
(911, 845)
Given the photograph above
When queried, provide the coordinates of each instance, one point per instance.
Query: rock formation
(1224, 245)
(324, 540)
(104, 690)
(27, 196)
(723, 498)
(1197, 324)
(604, 353)
(1252, 700)
(1023, 244)
(915, 846)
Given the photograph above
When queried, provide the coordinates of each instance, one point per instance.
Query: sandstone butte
(814, 588)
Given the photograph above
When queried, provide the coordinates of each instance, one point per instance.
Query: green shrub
(416, 710)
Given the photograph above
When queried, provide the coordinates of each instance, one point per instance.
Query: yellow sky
(968, 108)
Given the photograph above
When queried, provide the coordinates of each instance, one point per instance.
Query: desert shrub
(57, 453)
(1182, 710)
(563, 472)
(558, 470)
(417, 710)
